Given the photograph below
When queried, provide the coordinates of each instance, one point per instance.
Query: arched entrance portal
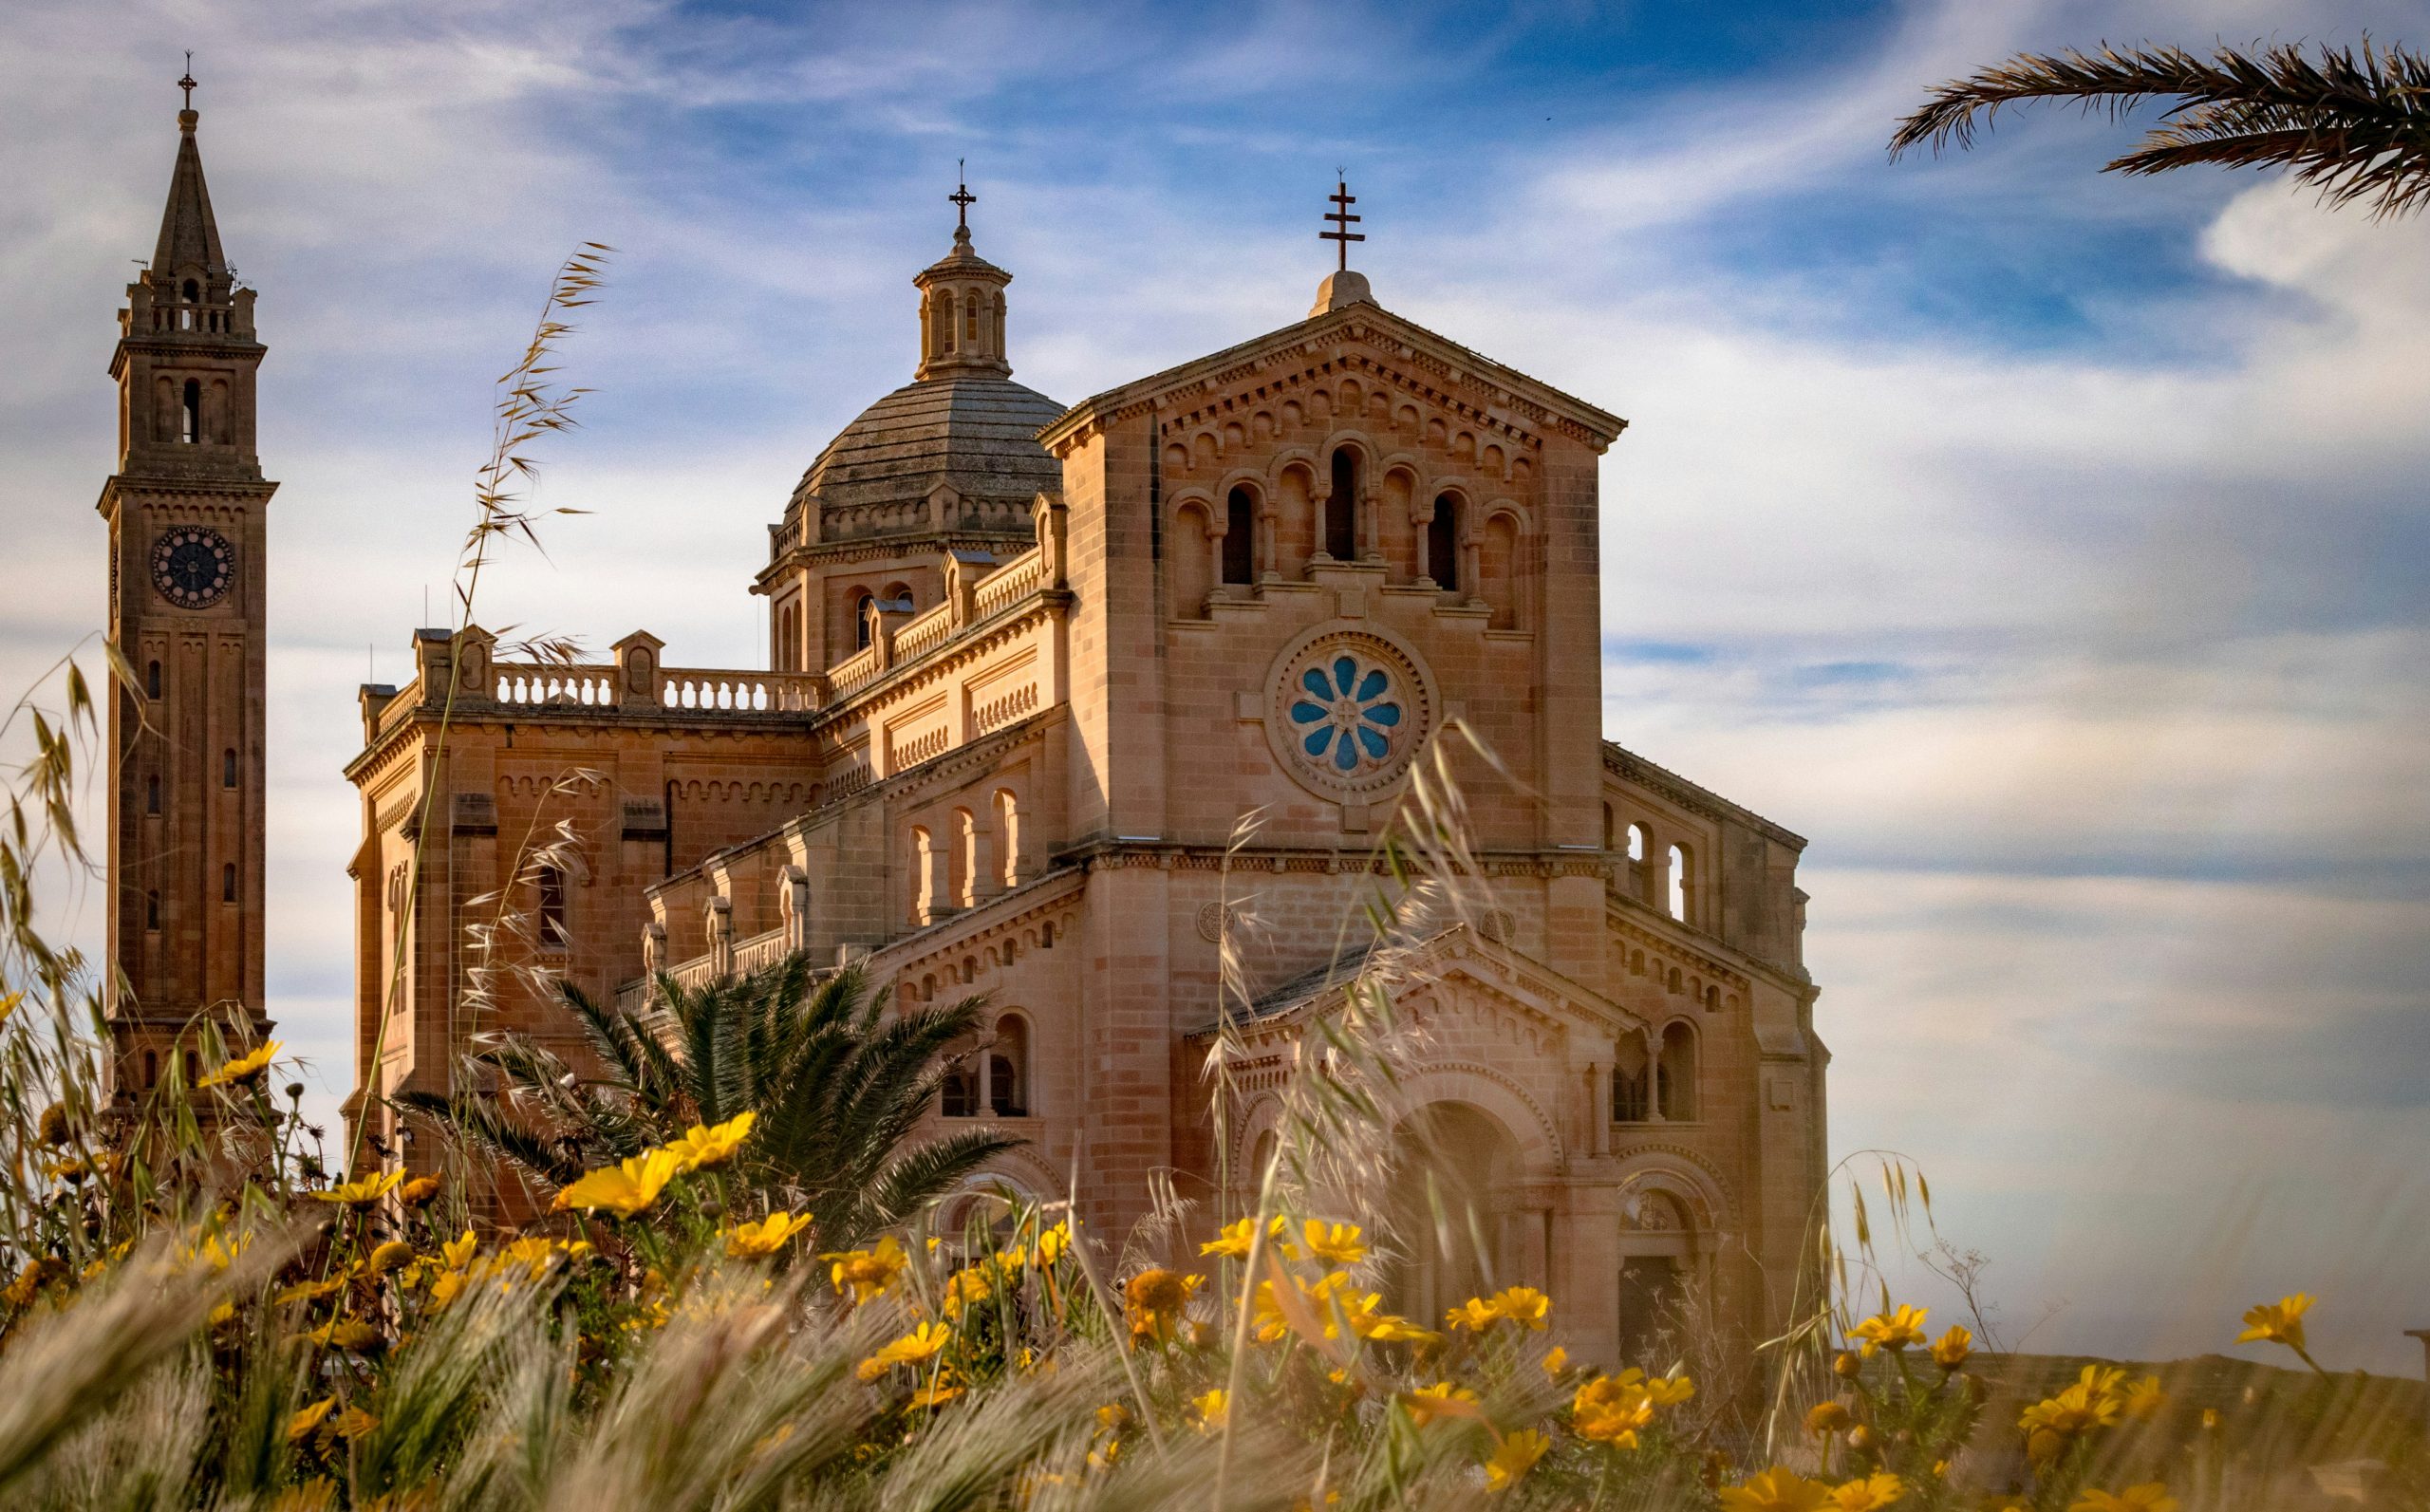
(1455, 1179)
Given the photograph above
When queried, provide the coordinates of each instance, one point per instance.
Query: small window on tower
(194, 292)
(152, 680)
(1443, 543)
(552, 909)
(228, 767)
(228, 883)
(1239, 537)
(190, 417)
(152, 912)
(150, 794)
(194, 1067)
(861, 622)
(151, 1067)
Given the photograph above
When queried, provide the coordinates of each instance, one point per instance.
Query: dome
(976, 433)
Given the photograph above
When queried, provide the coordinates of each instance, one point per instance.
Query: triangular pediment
(1523, 983)
(1363, 338)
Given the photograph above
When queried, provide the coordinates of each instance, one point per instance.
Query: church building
(1030, 663)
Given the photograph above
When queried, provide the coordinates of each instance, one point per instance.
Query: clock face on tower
(192, 567)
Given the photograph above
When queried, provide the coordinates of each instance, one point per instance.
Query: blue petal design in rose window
(1346, 710)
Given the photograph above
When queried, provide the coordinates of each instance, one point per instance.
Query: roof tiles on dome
(976, 433)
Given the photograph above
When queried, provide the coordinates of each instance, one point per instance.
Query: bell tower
(187, 577)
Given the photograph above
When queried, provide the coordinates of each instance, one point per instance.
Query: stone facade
(188, 512)
(1031, 663)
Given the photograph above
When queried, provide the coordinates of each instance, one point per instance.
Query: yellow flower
(309, 1291)
(702, 1148)
(1951, 1350)
(1524, 1304)
(1426, 1403)
(1476, 1313)
(971, 1284)
(347, 1334)
(354, 1422)
(936, 1394)
(918, 1347)
(1827, 1418)
(1668, 1390)
(365, 1193)
(2052, 1422)
(1232, 1240)
(388, 1256)
(418, 1192)
(1156, 1297)
(2151, 1497)
(244, 1070)
(1370, 1322)
(1612, 1408)
(1867, 1493)
(629, 1187)
(752, 1241)
(1514, 1457)
(2281, 1322)
(2144, 1399)
(458, 1253)
(1556, 1360)
(868, 1273)
(1777, 1489)
(1212, 1407)
(1893, 1329)
(1052, 1243)
(537, 1253)
(1335, 1243)
(307, 1419)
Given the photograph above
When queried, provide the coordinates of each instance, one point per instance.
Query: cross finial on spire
(1342, 234)
(186, 84)
(962, 199)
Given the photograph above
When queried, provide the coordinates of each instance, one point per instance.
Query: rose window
(1347, 711)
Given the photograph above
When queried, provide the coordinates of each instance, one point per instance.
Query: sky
(2049, 547)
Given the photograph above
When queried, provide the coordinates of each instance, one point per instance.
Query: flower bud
(1864, 1440)
(1847, 1367)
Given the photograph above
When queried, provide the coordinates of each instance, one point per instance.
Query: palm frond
(2356, 124)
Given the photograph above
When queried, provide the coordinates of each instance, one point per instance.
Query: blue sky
(2049, 547)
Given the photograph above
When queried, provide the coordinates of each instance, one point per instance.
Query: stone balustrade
(702, 688)
(542, 685)
(925, 634)
(1009, 584)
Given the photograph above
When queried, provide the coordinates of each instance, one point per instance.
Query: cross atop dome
(962, 199)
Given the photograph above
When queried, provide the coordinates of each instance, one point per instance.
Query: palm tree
(2358, 127)
(838, 1084)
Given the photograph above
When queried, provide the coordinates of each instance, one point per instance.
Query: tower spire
(189, 242)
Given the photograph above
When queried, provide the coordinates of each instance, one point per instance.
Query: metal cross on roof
(1342, 234)
(186, 84)
(962, 199)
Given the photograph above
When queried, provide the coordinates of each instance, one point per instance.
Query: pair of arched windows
(898, 598)
(1666, 1089)
(994, 1081)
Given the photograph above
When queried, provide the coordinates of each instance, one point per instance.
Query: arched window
(1008, 837)
(1239, 537)
(1683, 882)
(1342, 507)
(1008, 1069)
(1630, 1089)
(923, 875)
(152, 680)
(194, 292)
(152, 912)
(970, 319)
(151, 1067)
(962, 887)
(554, 935)
(861, 602)
(228, 767)
(228, 883)
(944, 321)
(898, 599)
(1675, 1075)
(1498, 570)
(194, 1067)
(1654, 1256)
(1640, 845)
(190, 420)
(150, 794)
(1443, 543)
